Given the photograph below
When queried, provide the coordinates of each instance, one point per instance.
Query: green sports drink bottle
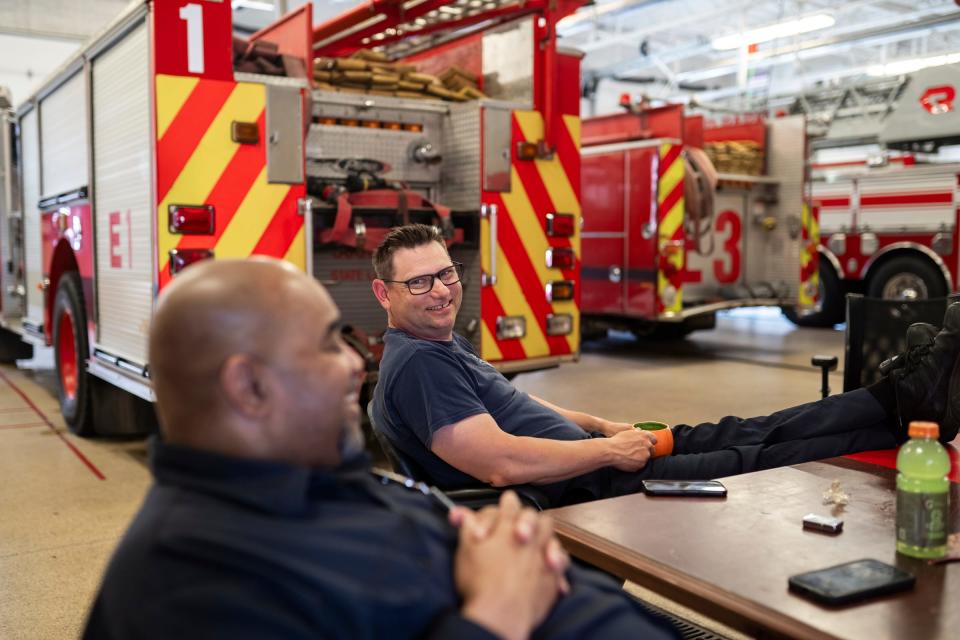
(923, 493)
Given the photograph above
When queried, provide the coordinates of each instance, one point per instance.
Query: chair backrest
(876, 330)
(400, 462)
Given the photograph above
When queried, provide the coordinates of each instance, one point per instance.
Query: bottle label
(921, 518)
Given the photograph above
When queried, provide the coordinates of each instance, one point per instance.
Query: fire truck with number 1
(165, 141)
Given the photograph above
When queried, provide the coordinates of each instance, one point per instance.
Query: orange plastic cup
(661, 430)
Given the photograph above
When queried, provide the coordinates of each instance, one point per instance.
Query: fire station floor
(65, 501)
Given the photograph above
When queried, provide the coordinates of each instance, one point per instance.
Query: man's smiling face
(430, 315)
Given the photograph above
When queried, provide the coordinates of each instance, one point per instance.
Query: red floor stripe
(283, 227)
(22, 426)
(47, 422)
(189, 125)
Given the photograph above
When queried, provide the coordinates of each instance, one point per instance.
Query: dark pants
(835, 426)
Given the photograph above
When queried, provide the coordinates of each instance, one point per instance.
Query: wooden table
(730, 558)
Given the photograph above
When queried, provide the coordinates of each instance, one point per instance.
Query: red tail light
(191, 220)
(561, 225)
(560, 258)
(180, 259)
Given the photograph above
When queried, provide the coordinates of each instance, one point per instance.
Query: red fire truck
(889, 222)
(650, 262)
(148, 151)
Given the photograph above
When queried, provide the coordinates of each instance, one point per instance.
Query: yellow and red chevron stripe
(198, 163)
(538, 187)
(670, 237)
(809, 258)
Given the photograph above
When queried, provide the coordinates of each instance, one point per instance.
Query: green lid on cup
(651, 425)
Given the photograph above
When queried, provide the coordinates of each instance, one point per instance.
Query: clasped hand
(509, 567)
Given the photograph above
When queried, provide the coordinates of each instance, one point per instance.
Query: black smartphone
(851, 582)
(708, 488)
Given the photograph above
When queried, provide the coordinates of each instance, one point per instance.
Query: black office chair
(473, 497)
(876, 332)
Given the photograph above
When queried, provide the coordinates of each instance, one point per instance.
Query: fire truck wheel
(906, 278)
(70, 352)
(830, 304)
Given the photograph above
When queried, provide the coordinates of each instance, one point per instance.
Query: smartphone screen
(708, 488)
(851, 581)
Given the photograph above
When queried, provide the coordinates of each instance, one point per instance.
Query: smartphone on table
(851, 581)
(701, 488)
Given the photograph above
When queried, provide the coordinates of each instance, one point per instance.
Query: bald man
(265, 521)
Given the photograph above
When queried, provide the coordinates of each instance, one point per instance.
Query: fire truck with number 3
(667, 242)
(149, 150)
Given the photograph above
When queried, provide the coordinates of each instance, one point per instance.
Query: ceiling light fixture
(901, 67)
(252, 4)
(774, 31)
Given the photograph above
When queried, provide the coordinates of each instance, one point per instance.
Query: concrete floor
(65, 501)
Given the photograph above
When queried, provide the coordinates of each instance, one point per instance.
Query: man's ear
(242, 379)
(380, 290)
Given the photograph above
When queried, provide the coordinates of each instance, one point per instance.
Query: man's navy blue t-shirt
(426, 385)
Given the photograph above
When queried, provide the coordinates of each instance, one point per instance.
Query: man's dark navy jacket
(231, 548)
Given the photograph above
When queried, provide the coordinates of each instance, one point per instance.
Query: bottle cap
(920, 429)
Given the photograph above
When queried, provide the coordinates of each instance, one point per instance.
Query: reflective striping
(230, 189)
(172, 92)
(251, 219)
(524, 220)
(206, 166)
(809, 259)
(670, 229)
(568, 151)
(252, 215)
(489, 348)
(538, 187)
(297, 252)
(227, 195)
(282, 229)
(671, 178)
(508, 349)
(552, 173)
(517, 290)
(188, 128)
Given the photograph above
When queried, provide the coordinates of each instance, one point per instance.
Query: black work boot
(919, 334)
(927, 385)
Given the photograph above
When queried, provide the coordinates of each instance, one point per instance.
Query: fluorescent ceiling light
(909, 66)
(252, 4)
(774, 31)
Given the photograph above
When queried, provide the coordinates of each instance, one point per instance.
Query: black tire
(70, 350)
(906, 278)
(12, 348)
(830, 306)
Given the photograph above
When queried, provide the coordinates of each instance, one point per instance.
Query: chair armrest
(477, 497)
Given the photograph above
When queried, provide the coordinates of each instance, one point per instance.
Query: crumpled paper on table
(835, 495)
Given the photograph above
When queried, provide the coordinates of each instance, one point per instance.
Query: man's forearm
(542, 461)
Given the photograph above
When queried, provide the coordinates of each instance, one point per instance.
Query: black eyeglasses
(424, 284)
